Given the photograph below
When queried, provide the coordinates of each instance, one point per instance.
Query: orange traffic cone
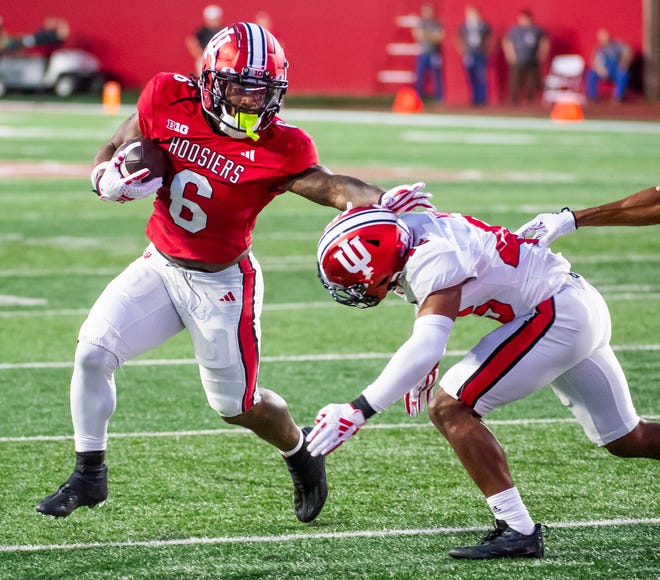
(567, 110)
(111, 97)
(407, 101)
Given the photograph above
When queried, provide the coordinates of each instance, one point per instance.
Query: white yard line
(310, 536)
(288, 263)
(353, 118)
(469, 121)
(279, 359)
(619, 292)
(240, 431)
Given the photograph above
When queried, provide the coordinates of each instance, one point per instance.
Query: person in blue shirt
(474, 44)
(429, 35)
(611, 61)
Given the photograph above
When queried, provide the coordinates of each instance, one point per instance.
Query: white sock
(508, 506)
(296, 448)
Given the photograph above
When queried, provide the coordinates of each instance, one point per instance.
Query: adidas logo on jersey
(248, 154)
(229, 297)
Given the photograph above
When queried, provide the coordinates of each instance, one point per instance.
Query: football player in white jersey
(639, 209)
(555, 330)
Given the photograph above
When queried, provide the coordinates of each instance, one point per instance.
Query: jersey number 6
(185, 212)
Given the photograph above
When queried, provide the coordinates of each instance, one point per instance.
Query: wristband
(361, 404)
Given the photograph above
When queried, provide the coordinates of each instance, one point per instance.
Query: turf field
(191, 497)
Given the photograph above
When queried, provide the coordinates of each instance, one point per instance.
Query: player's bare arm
(639, 209)
(444, 302)
(320, 185)
(129, 129)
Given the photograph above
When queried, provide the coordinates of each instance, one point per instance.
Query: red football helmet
(243, 79)
(359, 254)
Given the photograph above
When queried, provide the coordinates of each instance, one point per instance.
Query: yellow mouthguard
(247, 121)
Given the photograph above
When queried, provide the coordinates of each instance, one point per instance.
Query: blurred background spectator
(262, 18)
(474, 46)
(4, 38)
(52, 35)
(429, 35)
(526, 47)
(610, 62)
(197, 41)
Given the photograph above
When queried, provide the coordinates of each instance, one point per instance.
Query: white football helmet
(360, 254)
(243, 79)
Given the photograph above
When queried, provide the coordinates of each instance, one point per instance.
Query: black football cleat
(310, 488)
(81, 489)
(503, 542)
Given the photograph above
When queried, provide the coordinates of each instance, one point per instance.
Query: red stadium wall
(335, 47)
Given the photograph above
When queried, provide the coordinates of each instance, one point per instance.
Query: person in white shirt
(555, 329)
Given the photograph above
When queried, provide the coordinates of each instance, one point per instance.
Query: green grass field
(191, 497)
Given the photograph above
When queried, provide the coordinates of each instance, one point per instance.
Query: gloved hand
(404, 198)
(112, 186)
(547, 227)
(421, 394)
(335, 423)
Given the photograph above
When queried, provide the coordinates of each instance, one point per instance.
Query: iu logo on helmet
(354, 257)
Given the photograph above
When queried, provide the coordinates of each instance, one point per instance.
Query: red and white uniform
(217, 186)
(206, 211)
(555, 326)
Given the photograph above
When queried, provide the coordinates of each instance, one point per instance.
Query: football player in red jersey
(229, 156)
(555, 329)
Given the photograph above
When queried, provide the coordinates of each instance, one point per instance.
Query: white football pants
(148, 303)
(565, 343)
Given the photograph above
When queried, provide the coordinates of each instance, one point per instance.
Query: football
(141, 153)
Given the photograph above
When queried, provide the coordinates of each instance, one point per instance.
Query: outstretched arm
(411, 363)
(639, 209)
(320, 185)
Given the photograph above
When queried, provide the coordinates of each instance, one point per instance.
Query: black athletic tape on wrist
(363, 405)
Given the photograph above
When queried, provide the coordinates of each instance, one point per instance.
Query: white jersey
(556, 326)
(507, 276)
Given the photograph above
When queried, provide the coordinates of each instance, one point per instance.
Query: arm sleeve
(412, 362)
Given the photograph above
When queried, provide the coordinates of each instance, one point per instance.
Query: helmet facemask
(239, 106)
(354, 295)
(243, 80)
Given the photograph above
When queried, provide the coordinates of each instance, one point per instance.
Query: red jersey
(216, 185)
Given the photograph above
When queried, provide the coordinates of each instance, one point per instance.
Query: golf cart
(65, 72)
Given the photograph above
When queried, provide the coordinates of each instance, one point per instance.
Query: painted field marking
(194, 541)
(279, 359)
(242, 431)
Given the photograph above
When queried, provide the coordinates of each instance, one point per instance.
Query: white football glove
(335, 423)
(421, 394)
(405, 198)
(547, 227)
(112, 186)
